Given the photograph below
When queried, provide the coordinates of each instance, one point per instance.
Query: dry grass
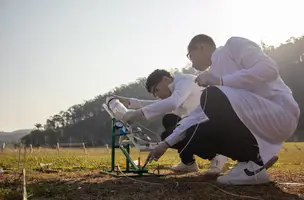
(75, 175)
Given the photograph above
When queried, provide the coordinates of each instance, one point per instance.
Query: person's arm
(182, 89)
(139, 103)
(197, 116)
(256, 67)
(134, 103)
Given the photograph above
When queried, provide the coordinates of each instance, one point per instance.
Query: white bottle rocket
(116, 107)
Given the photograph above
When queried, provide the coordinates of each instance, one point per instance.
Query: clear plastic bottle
(116, 107)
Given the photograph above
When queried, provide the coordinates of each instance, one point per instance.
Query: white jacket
(184, 99)
(256, 92)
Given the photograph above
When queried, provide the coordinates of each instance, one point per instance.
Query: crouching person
(178, 96)
(250, 110)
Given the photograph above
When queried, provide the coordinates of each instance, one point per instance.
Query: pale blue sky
(57, 53)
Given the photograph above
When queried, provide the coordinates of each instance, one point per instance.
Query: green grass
(69, 165)
(66, 159)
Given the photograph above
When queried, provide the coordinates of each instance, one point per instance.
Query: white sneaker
(181, 167)
(245, 173)
(217, 165)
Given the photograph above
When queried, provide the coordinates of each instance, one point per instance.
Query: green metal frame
(131, 167)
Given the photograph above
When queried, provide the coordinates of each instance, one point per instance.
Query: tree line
(88, 122)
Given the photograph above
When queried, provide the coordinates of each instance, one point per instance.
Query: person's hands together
(206, 78)
(159, 150)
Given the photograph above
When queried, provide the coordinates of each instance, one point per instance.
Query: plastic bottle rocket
(117, 108)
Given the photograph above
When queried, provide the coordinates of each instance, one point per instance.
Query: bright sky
(54, 54)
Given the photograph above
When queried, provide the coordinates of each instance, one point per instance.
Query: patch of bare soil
(92, 185)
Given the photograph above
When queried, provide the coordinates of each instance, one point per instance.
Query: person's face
(200, 57)
(161, 90)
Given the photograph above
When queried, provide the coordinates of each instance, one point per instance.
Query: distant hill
(13, 137)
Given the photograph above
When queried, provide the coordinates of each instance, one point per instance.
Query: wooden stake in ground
(24, 186)
(3, 147)
(84, 148)
(57, 147)
(107, 147)
(31, 148)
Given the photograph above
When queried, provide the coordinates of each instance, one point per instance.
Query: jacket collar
(176, 76)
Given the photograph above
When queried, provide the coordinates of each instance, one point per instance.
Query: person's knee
(165, 134)
(170, 120)
(213, 100)
(209, 94)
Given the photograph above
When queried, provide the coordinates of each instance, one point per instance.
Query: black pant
(169, 123)
(223, 134)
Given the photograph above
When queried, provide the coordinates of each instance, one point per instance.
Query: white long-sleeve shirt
(184, 99)
(256, 92)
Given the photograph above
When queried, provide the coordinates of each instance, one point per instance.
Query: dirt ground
(74, 175)
(89, 185)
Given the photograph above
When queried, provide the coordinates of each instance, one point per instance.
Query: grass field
(72, 175)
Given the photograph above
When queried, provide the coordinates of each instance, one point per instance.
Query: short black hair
(155, 77)
(198, 39)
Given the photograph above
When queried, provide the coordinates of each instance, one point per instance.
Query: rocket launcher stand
(131, 168)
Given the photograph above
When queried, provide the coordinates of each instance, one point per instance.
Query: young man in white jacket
(250, 109)
(179, 95)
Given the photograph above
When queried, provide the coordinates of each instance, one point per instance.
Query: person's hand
(159, 150)
(124, 100)
(130, 115)
(207, 79)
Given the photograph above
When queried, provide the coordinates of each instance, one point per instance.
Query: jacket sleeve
(196, 117)
(182, 89)
(256, 68)
(139, 103)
